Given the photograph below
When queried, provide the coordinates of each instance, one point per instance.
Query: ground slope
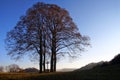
(111, 72)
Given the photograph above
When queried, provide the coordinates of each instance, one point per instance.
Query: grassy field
(27, 76)
(98, 73)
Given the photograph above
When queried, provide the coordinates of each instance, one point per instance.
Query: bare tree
(27, 35)
(13, 68)
(64, 35)
(1, 69)
(45, 30)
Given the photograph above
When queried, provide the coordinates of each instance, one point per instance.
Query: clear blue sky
(99, 19)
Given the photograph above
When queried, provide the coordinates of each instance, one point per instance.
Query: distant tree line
(10, 68)
(47, 32)
(1, 69)
(14, 68)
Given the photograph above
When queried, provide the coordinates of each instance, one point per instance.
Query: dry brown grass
(17, 76)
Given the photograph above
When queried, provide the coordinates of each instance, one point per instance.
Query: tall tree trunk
(40, 62)
(41, 51)
(44, 52)
(51, 63)
(55, 62)
(52, 56)
(44, 62)
(54, 51)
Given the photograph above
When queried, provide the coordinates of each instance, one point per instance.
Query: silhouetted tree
(63, 34)
(27, 35)
(12, 68)
(1, 69)
(47, 30)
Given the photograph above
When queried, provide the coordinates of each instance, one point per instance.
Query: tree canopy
(46, 30)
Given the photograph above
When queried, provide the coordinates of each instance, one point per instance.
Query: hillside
(90, 66)
(115, 60)
(111, 72)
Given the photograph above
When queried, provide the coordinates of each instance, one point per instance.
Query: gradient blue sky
(99, 19)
